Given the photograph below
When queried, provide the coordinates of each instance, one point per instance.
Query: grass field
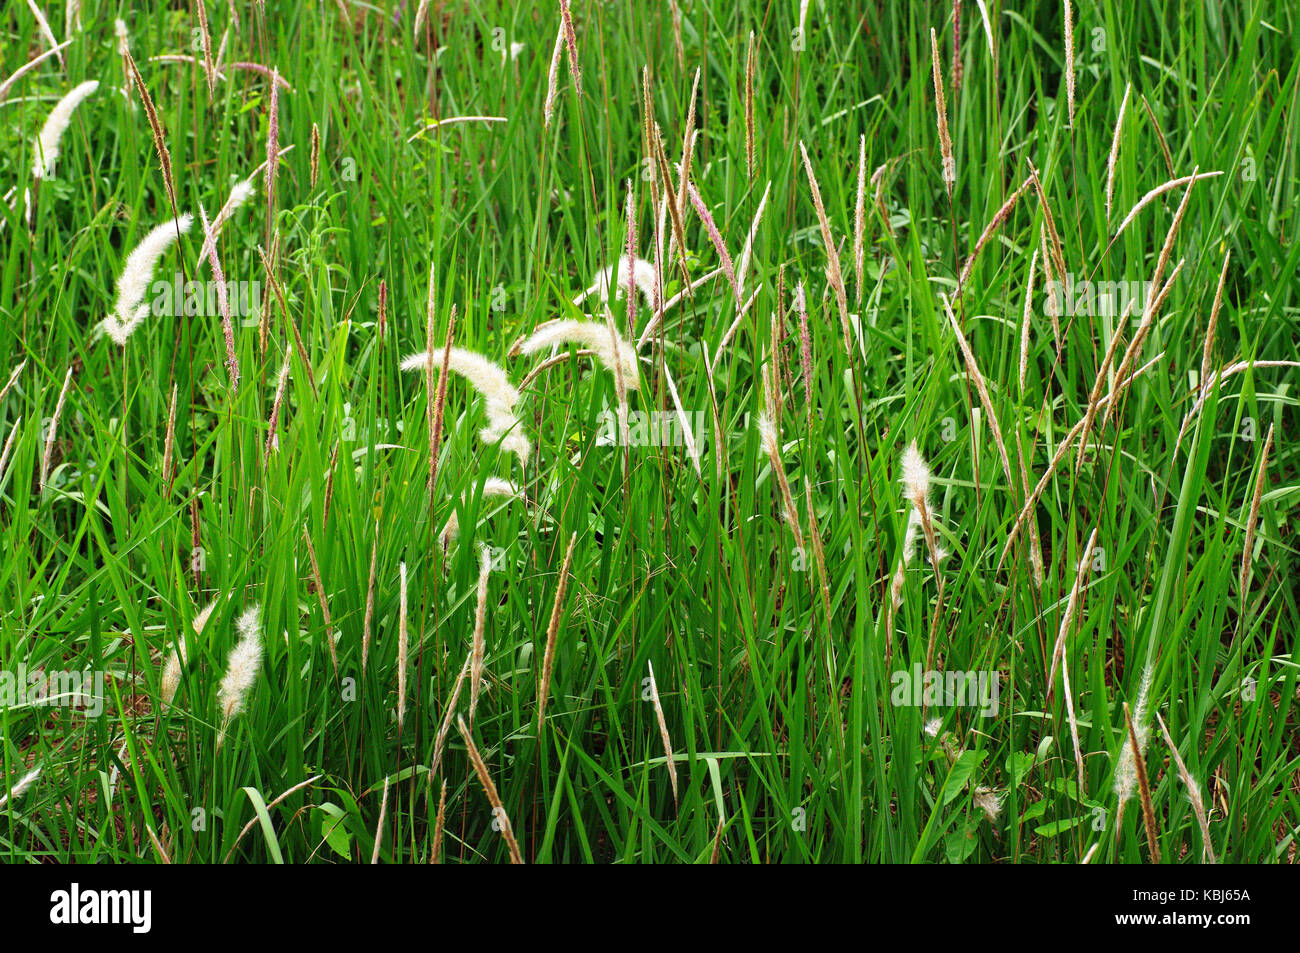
(690, 527)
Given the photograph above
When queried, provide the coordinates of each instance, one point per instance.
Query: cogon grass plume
(916, 487)
(123, 43)
(552, 79)
(137, 275)
(1126, 774)
(244, 663)
(916, 490)
(492, 385)
(633, 272)
(47, 143)
(615, 354)
(179, 657)
(1144, 786)
(492, 486)
(21, 786)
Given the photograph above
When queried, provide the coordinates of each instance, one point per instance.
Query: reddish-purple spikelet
(571, 41)
(714, 236)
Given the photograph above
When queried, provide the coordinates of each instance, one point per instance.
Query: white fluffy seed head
(47, 143)
(609, 346)
(21, 785)
(244, 664)
(137, 275)
(637, 271)
(1126, 772)
(988, 801)
(493, 486)
(916, 475)
(770, 438)
(171, 676)
(491, 382)
(486, 377)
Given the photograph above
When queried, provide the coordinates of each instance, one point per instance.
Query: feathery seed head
(767, 433)
(47, 143)
(21, 785)
(1126, 772)
(244, 663)
(137, 274)
(916, 475)
(491, 382)
(639, 273)
(609, 346)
